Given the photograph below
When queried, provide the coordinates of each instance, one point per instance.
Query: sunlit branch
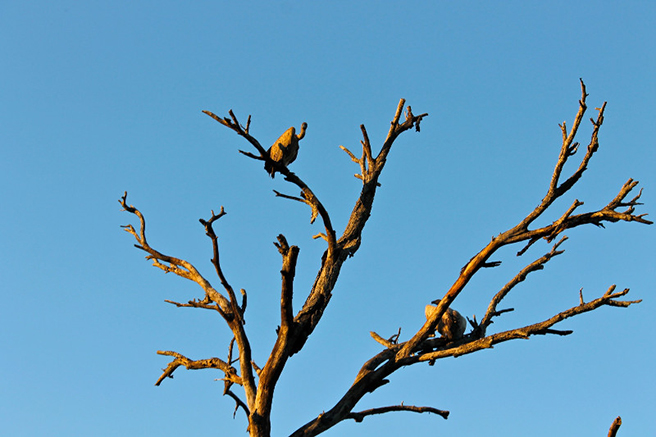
(209, 363)
(167, 263)
(360, 415)
(521, 276)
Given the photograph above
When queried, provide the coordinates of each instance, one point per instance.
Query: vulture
(452, 326)
(285, 149)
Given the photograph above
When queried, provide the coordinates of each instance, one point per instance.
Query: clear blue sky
(102, 97)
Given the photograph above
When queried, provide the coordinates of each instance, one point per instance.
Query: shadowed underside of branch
(258, 383)
(423, 347)
(295, 328)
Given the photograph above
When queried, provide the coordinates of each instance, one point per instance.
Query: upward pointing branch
(307, 194)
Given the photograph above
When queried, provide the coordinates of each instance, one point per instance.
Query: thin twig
(360, 415)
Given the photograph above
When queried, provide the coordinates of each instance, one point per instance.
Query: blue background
(102, 97)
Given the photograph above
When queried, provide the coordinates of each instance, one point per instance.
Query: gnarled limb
(521, 231)
(350, 239)
(360, 415)
(167, 263)
(195, 303)
(228, 308)
(209, 363)
(236, 323)
(467, 346)
(421, 348)
(238, 403)
(306, 193)
(290, 255)
(347, 245)
(521, 276)
(295, 329)
(290, 341)
(374, 373)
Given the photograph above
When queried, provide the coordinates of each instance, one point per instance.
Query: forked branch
(294, 332)
(610, 298)
(209, 363)
(374, 373)
(522, 233)
(421, 348)
(307, 195)
(228, 308)
(536, 265)
(167, 263)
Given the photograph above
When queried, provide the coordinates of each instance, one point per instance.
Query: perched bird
(285, 149)
(452, 326)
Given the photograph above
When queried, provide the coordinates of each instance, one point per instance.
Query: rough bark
(259, 384)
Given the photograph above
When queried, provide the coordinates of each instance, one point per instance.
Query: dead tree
(258, 383)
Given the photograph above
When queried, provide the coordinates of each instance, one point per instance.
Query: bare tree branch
(359, 416)
(609, 298)
(209, 363)
(521, 276)
(291, 341)
(238, 403)
(167, 263)
(290, 255)
(374, 373)
(387, 343)
(306, 193)
(236, 323)
(205, 303)
(228, 308)
(302, 199)
(612, 432)
(521, 232)
(423, 346)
